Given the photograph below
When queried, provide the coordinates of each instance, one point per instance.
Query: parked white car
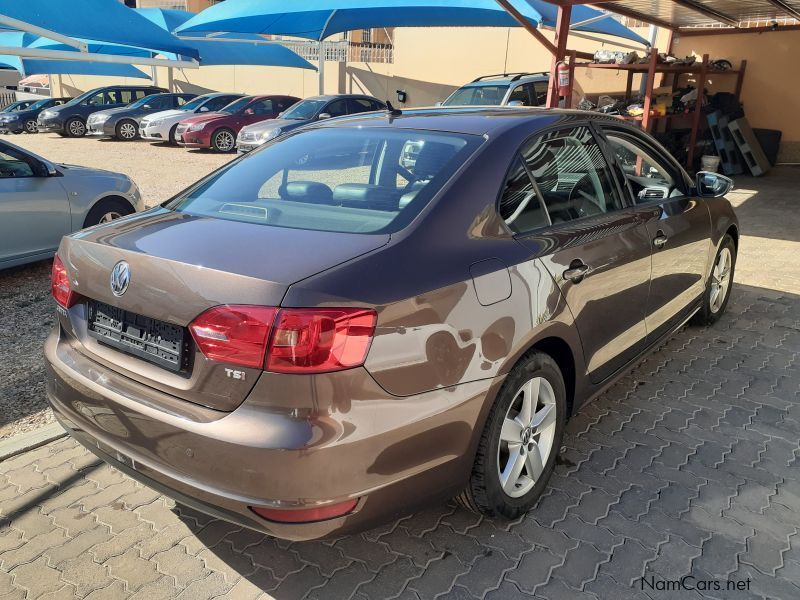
(161, 126)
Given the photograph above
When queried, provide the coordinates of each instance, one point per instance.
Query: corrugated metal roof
(691, 14)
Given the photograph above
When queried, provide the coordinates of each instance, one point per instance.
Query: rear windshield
(333, 179)
(478, 95)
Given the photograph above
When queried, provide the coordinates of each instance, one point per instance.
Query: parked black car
(18, 105)
(69, 120)
(123, 123)
(24, 119)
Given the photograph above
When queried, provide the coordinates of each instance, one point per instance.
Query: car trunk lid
(181, 265)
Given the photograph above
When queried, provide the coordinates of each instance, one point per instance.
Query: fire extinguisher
(562, 72)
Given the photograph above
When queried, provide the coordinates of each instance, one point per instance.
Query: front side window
(332, 179)
(337, 108)
(359, 105)
(99, 99)
(649, 178)
(520, 94)
(218, 103)
(572, 175)
(14, 164)
(262, 107)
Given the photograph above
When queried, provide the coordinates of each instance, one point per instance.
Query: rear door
(34, 209)
(601, 256)
(679, 231)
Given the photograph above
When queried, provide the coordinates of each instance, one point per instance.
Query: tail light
(306, 515)
(59, 284)
(234, 334)
(288, 340)
(320, 340)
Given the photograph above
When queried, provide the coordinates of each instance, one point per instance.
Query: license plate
(155, 341)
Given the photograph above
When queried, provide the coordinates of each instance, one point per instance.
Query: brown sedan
(380, 312)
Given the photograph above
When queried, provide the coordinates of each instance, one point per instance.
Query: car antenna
(393, 112)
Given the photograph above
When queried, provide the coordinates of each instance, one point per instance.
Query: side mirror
(713, 185)
(323, 116)
(280, 114)
(203, 109)
(147, 107)
(516, 103)
(438, 104)
(49, 168)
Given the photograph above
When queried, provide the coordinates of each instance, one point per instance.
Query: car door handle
(576, 272)
(660, 241)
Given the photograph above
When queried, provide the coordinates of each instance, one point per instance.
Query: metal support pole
(562, 33)
(322, 67)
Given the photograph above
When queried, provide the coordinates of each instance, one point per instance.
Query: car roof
(480, 120)
(341, 96)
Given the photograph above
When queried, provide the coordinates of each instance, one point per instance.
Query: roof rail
(515, 76)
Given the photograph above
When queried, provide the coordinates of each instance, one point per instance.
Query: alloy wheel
(224, 141)
(30, 126)
(720, 280)
(109, 216)
(77, 128)
(526, 437)
(127, 131)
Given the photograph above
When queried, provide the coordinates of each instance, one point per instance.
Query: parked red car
(219, 130)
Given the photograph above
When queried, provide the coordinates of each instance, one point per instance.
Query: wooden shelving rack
(701, 70)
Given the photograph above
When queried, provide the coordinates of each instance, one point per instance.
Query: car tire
(506, 446)
(75, 128)
(719, 284)
(126, 130)
(30, 126)
(223, 140)
(107, 210)
(16, 132)
(171, 139)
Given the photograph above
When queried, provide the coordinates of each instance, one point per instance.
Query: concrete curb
(30, 440)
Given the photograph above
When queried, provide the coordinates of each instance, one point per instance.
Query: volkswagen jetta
(321, 336)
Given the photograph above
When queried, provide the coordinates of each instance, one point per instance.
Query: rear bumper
(395, 454)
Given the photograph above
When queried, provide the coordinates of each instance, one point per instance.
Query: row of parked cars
(217, 121)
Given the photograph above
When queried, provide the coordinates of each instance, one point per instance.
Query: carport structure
(679, 17)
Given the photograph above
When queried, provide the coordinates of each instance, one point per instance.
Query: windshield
(196, 103)
(478, 95)
(39, 104)
(333, 179)
(141, 101)
(236, 106)
(305, 110)
(82, 97)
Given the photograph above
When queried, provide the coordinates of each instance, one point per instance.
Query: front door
(679, 230)
(34, 209)
(601, 260)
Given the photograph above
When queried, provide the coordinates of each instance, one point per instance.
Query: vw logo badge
(120, 278)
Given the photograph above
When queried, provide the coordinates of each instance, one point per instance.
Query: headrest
(363, 195)
(306, 191)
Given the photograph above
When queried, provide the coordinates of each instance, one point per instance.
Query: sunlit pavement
(684, 473)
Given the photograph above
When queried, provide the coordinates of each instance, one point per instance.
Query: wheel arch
(103, 199)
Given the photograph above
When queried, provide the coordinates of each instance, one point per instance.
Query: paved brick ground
(688, 466)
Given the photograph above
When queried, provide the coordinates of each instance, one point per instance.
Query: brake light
(291, 340)
(59, 284)
(319, 340)
(306, 515)
(234, 334)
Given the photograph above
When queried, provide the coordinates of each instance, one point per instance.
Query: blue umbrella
(104, 20)
(228, 53)
(320, 19)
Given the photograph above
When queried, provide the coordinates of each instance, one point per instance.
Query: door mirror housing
(203, 109)
(712, 185)
(516, 103)
(323, 116)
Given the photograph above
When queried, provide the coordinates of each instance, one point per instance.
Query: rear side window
(572, 175)
(373, 180)
(359, 105)
(520, 206)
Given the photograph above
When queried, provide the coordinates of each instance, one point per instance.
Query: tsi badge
(237, 375)
(120, 278)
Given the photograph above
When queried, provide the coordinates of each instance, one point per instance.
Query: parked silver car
(41, 201)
